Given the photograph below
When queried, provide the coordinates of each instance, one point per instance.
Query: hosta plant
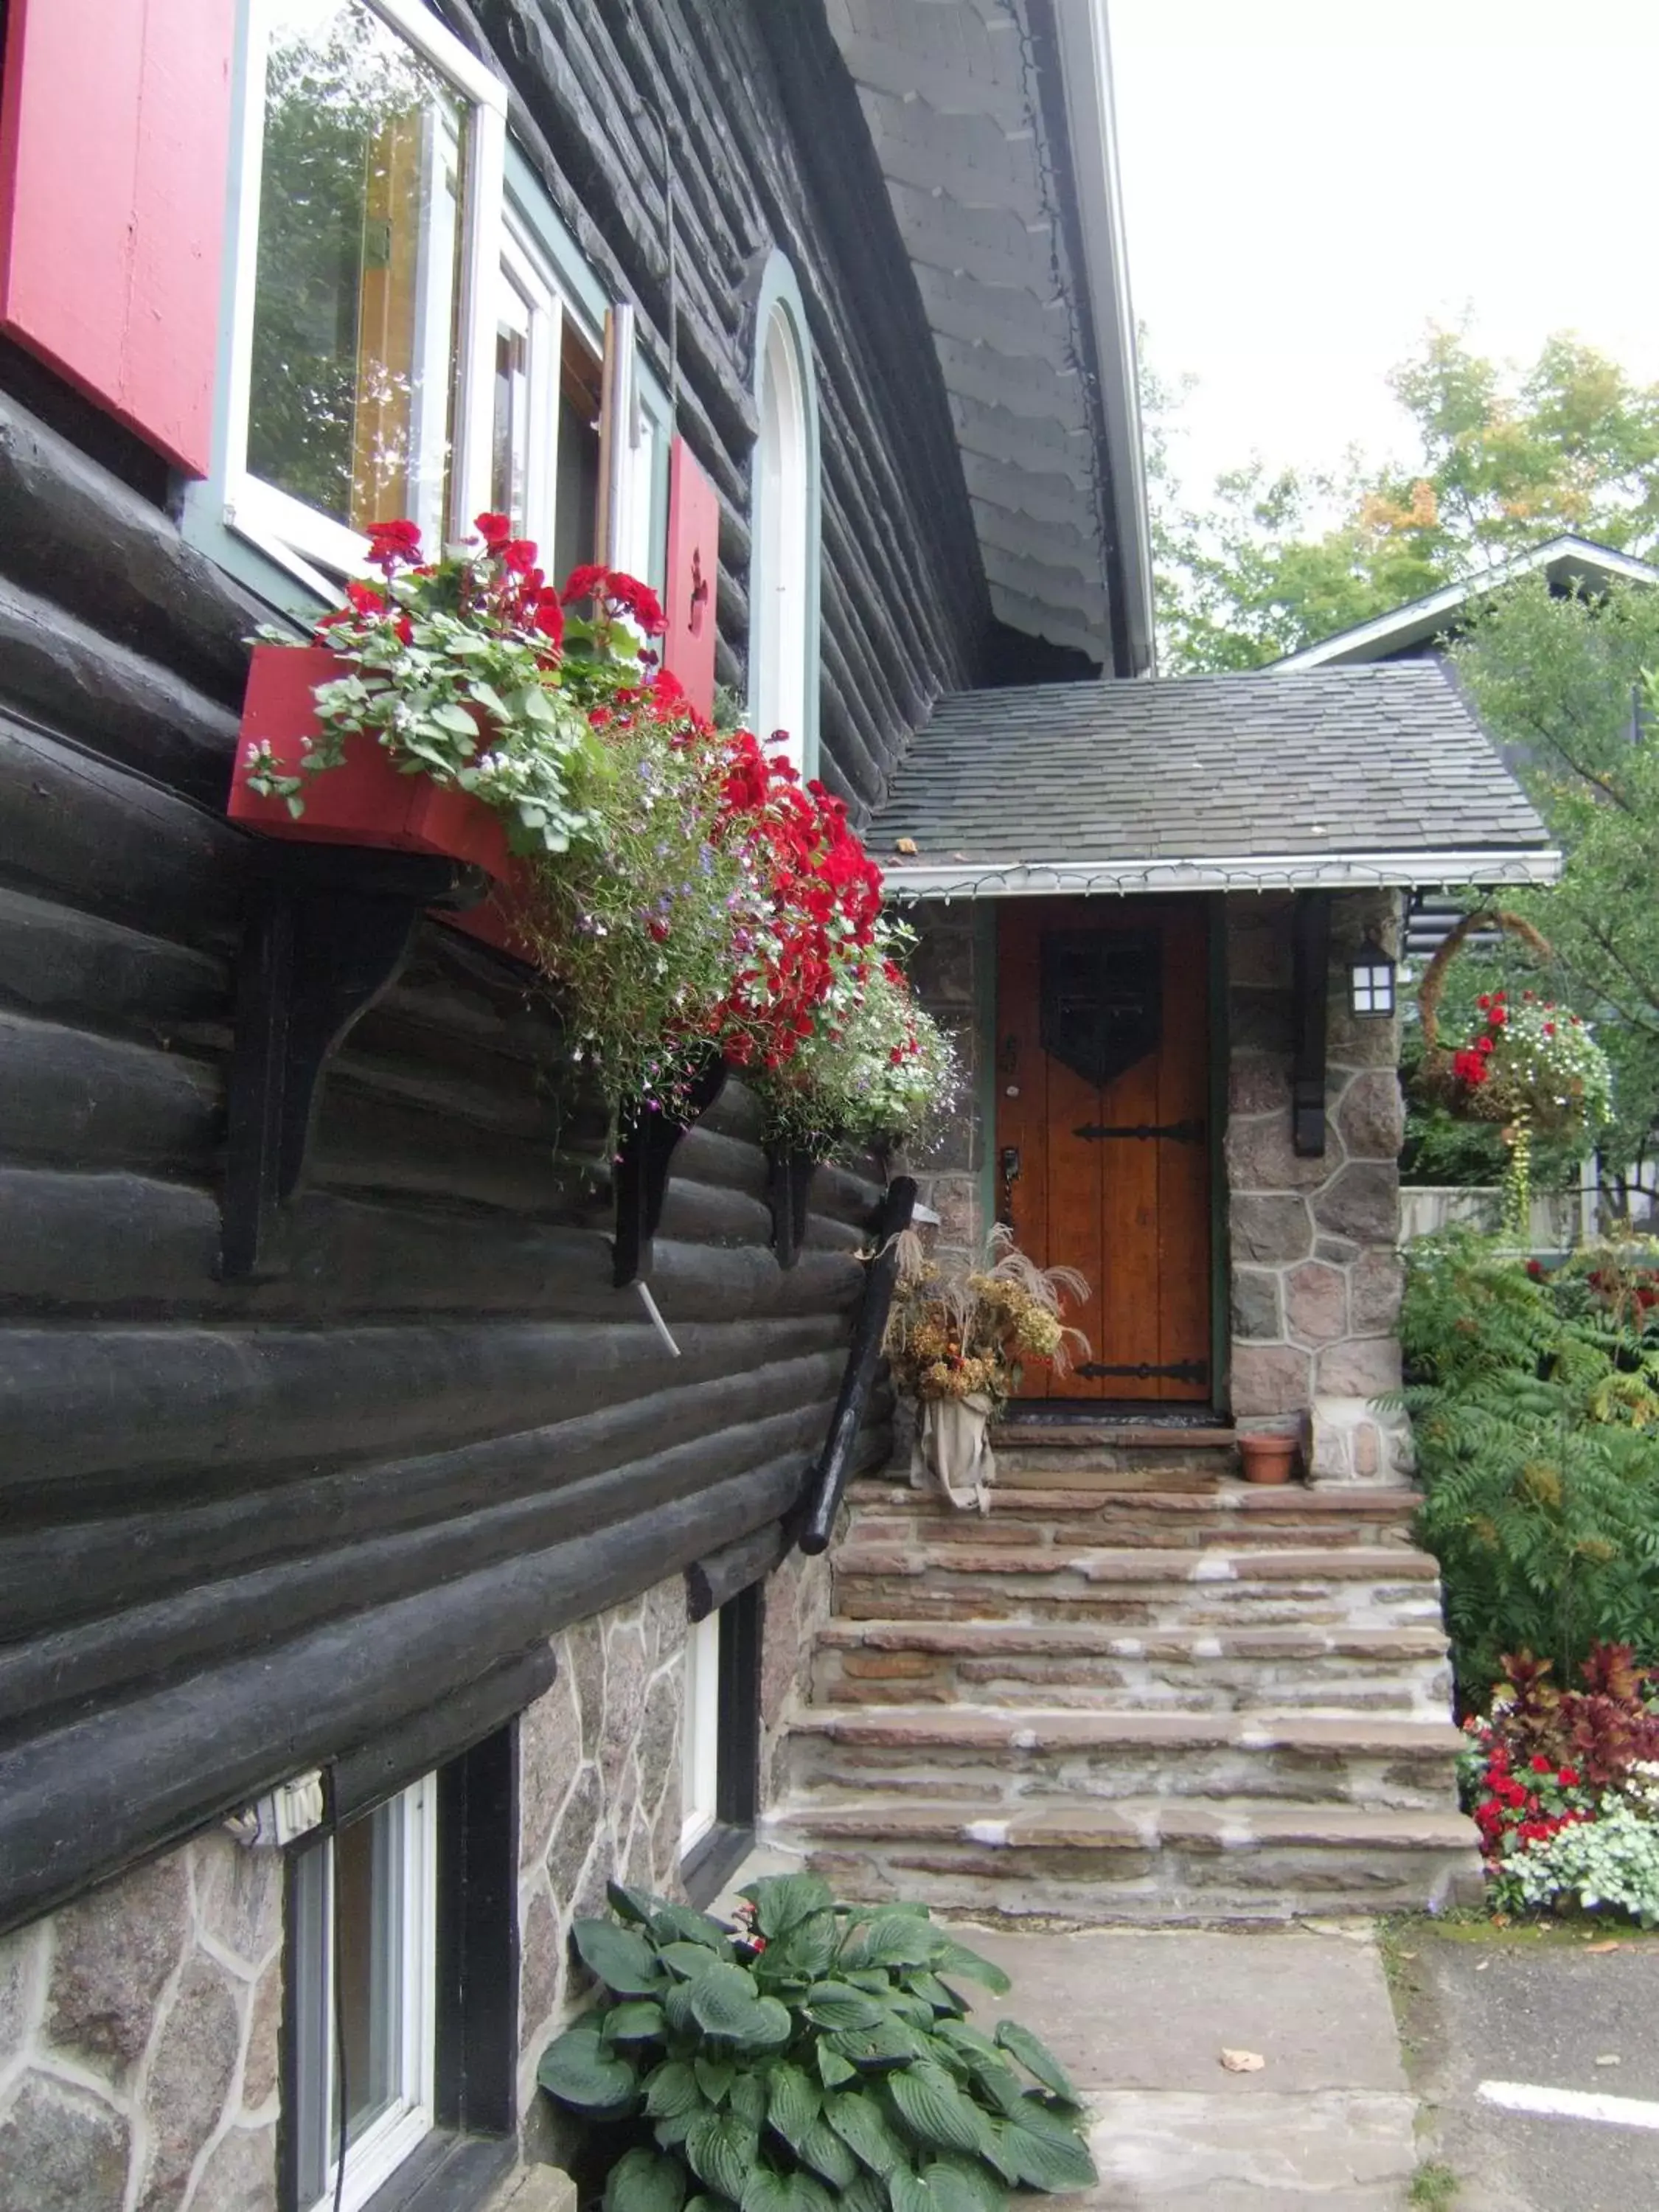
(818, 2054)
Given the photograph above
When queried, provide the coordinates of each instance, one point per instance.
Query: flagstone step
(1166, 1587)
(1112, 1456)
(999, 1757)
(1090, 1665)
(1230, 1512)
(1149, 1858)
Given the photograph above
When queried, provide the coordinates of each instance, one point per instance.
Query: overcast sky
(1308, 183)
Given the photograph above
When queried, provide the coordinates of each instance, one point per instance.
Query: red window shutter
(694, 552)
(114, 179)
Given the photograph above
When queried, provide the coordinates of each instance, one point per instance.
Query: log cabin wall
(251, 1529)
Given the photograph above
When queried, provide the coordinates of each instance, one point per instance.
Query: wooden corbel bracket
(329, 929)
(789, 1176)
(645, 1153)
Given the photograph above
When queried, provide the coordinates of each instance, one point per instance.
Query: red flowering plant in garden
(684, 890)
(1546, 1760)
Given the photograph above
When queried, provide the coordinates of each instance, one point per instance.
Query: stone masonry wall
(599, 1801)
(139, 2030)
(1316, 1275)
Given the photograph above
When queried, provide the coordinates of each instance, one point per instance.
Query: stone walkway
(1140, 2018)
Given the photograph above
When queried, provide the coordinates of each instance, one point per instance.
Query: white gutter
(1247, 871)
(1085, 68)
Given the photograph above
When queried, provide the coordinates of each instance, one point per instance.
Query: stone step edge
(1127, 1824)
(1104, 1563)
(1094, 1435)
(1083, 1639)
(1228, 1496)
(1065, 1728)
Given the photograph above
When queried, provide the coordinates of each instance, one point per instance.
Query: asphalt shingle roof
(1333, 763)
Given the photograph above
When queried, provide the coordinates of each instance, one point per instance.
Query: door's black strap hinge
(1180, 1133)
(1180, 1370)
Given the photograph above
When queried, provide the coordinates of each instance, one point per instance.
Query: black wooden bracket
(1310, 982)
(789, 1176)
(645, 1153)
(814, 1520)
(328, 931)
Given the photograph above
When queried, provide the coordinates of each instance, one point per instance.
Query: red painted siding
(114, 149)
(694, 538)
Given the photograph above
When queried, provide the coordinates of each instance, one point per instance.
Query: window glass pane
(368, 1897)
(358, 284)
(576, 500)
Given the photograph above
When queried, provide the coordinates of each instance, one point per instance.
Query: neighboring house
(1421, 629)
(1418, 630)
(395, 1536)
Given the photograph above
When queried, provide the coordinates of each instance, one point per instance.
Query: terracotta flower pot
(1268, 1458)
(365, 801)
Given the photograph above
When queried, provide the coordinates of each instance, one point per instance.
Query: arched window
(783, 577)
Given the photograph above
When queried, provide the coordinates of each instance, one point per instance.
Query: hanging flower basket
(1529, 1064)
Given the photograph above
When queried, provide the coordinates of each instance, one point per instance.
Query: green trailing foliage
(1534, 1400)
(818, 2056)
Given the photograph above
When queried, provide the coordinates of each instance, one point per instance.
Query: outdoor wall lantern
(1371, 979)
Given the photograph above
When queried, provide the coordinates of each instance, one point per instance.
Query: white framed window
(362, 1979)
(782, 571)
(364, 337)
(700, 1737)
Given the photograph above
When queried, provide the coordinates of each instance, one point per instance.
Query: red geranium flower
(494, 529)
(584, 583)
(394, 541)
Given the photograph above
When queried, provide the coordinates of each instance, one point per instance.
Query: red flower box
(365, 801)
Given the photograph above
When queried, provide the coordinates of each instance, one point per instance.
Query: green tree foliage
(1535, 1402)
(1562, 684)
(1503, 462)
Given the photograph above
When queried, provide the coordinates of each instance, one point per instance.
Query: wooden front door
(1103, 1139)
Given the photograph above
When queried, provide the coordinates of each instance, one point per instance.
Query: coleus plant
(818, 2055)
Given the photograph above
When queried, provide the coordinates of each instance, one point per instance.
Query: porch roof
(1339, 777)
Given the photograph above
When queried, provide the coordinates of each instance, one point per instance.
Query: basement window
(720, 1744)
(363, 1932)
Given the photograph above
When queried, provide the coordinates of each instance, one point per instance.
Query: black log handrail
(827, 1478)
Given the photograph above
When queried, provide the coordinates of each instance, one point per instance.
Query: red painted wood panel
(694, 542)
(114, 183)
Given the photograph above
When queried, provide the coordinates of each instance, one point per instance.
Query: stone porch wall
(140, 2027)
(1316, 1275)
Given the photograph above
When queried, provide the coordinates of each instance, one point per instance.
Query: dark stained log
(111, 699)
(68, 1096)
(368, 1775)
(54, 1573)
(145, 1400)
(113, 844)
(77, 1805)
(196, 1627)
(55, 962)
(82, 540)
(712, 1582)
(821, 1500)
